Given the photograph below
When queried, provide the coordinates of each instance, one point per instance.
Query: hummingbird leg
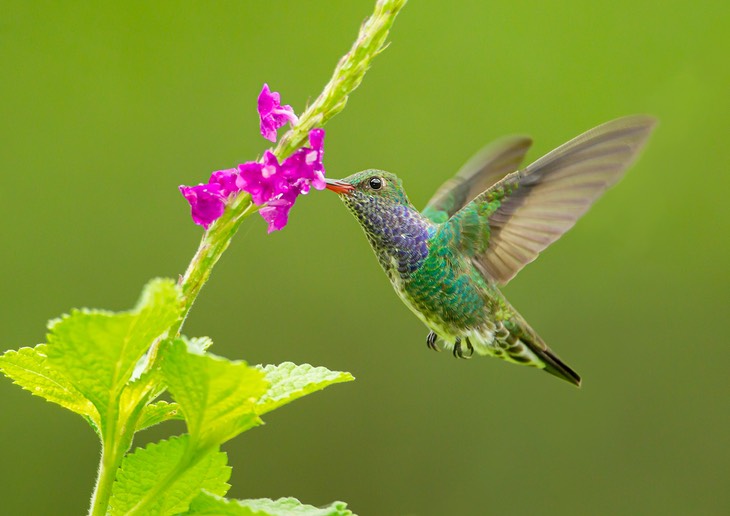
(431, 341)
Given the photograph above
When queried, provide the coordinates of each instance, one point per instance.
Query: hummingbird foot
(469, 347)
(458, 352)
(431, 341)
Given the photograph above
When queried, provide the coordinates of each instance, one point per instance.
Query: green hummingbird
(481, 228)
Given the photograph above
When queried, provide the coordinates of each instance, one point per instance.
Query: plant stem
(349, 72)
(104, 482)
(114, 446)
(346, 78)
(214, 242)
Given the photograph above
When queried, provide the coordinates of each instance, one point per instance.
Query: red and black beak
(339, 187)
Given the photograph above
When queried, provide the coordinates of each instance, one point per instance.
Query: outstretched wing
(506, 227)
(488, 166)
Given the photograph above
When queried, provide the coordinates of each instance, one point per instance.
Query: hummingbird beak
(337, 186)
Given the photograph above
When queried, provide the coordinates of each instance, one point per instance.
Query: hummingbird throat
(397, 233)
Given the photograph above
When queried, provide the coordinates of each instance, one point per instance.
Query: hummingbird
(481, 227)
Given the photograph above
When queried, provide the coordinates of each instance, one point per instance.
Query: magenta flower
(279, 185)
(207, 202)
(306, 164)
(226, 179)
(276, 211)
(272, 185)
(272, 114)
(263, 181)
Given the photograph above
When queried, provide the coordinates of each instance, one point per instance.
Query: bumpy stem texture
(214, 242)
(347, 75)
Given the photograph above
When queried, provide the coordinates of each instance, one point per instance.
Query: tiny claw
(431, 341)
(457, 348)
(470, 348)
(459, 353)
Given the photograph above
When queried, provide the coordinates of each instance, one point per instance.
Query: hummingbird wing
(507, 226)
(485, 168)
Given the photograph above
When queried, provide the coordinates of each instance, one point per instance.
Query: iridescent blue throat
(397, 233)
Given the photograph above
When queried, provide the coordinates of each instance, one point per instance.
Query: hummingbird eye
(375, 183)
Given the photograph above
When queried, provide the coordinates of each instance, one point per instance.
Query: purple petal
(267, 101)
(273, 175)
(316, 139)
(276, 211)
(227, 181)
(276, 216)
(263, 181)
(272, 114)
(306, 163)
(207, 202)
(250, 180)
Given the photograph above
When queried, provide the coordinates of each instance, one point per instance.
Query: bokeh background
(106, 108)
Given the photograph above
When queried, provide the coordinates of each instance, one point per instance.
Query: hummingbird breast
(448, 293)
(439, 284)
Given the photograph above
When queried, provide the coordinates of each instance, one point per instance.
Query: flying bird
(448, 262)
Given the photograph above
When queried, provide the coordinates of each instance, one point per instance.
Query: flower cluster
(278, 185)
(270, 183)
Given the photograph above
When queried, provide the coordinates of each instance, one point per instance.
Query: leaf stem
(114, 447)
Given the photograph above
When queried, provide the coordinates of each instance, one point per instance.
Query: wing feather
(534, 207)
(488, 166)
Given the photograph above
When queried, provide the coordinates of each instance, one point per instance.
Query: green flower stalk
(347, 76)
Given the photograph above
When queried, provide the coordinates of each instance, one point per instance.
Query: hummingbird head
(369, 186)
(373, 196)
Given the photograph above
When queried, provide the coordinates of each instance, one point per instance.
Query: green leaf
(149, 384)
(206, 504)
(141, 391)
(290, 381)
(156, 413)
(197, 344)
(29, 368)
(216, 395)
(163, 475)
(97, 351)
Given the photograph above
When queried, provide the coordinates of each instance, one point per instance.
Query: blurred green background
(106, 108)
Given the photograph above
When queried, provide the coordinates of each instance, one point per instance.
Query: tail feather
(549, 360)
(557, 367)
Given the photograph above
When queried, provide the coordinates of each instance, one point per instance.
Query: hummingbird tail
(543, 355)
(557, 367)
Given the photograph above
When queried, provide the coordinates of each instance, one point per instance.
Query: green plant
(112, 368)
